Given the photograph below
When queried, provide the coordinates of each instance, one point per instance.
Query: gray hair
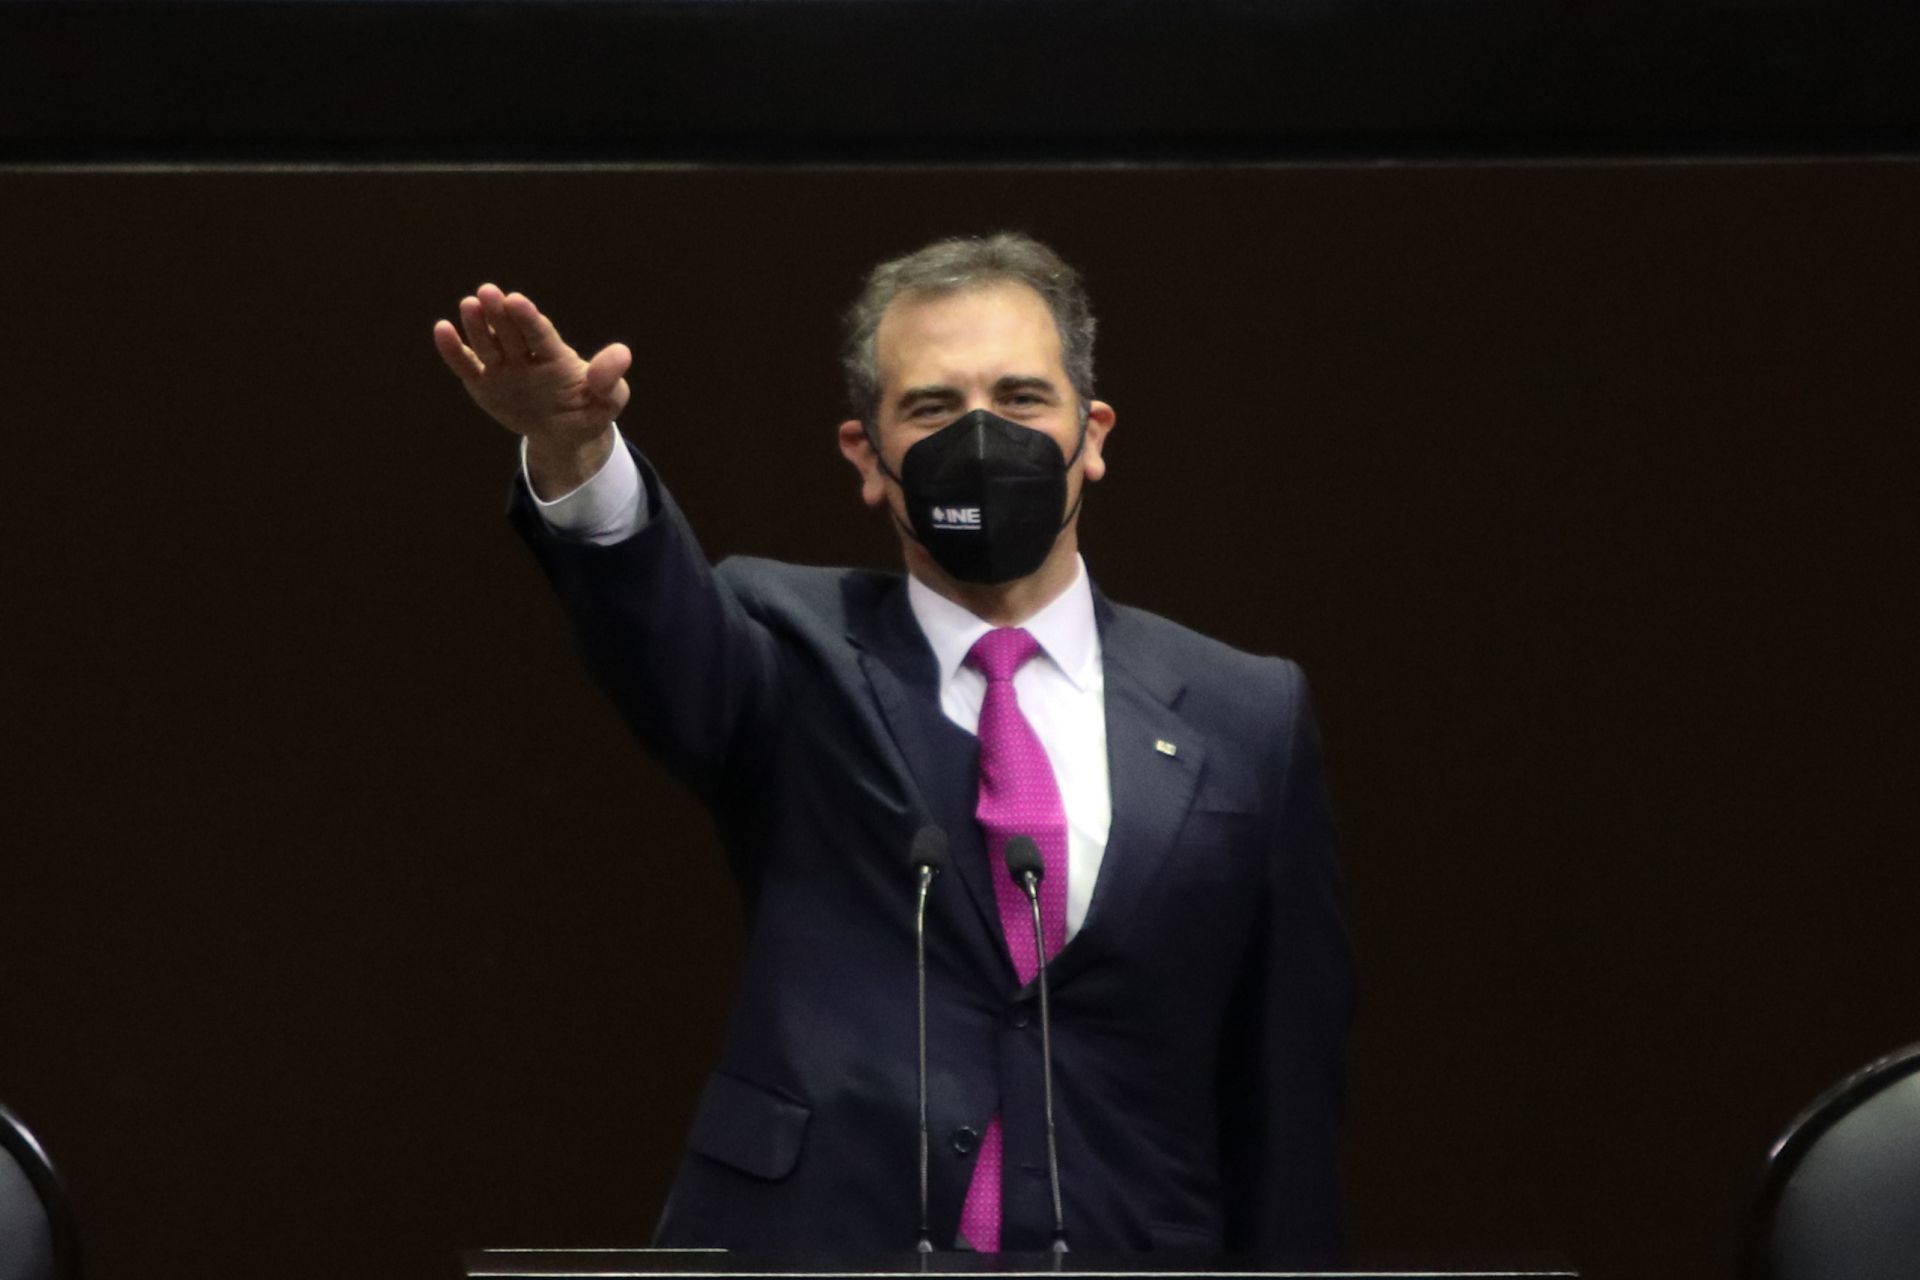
(969, 262)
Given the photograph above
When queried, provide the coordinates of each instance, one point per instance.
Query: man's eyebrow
(912, 394)
(1024, 382)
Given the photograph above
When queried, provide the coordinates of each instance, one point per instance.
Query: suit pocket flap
(744, 1125)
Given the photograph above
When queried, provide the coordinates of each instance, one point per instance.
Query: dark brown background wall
(341, 927)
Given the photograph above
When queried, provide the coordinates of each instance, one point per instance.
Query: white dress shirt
(1062, 690)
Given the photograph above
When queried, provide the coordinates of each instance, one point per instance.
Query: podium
(720, 1264)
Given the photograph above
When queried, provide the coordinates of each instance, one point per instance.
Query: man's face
(942, 355)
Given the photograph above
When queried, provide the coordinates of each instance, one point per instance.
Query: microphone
(929, 852)
(927, 857)
(1026, 867)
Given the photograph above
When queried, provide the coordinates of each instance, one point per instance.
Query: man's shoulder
(1177, 643)
(835, 597)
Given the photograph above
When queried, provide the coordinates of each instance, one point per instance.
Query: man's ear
(857, 448)
(1100, 420)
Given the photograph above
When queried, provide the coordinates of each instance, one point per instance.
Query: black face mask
(985, 495)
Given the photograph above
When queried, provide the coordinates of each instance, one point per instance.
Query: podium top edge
(715, 1264)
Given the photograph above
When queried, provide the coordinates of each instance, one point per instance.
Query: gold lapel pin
(1165, 748)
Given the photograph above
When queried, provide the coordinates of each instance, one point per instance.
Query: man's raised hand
(515, 366)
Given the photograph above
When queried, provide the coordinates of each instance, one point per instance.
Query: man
(1200, 978)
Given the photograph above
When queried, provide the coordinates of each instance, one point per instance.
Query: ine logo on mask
(986, 496)
(955, 518)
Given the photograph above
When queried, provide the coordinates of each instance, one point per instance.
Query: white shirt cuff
(609, 508)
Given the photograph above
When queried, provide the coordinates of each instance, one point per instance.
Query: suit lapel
(1151, 787)
(943, 758)
(1154, 758)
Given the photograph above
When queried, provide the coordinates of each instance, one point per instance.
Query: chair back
(36, 1231)
(1839, 1198)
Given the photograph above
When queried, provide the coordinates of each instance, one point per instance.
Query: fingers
(473, 319)
(507, 339)
(507, 334)
(537, 334)
(520, 333)
(456, 354)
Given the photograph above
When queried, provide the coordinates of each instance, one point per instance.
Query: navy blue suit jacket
(1199, 1015)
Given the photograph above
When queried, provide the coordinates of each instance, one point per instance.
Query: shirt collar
(1064, 627)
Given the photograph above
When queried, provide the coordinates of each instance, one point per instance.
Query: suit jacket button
(965, 1141)
(1018, 1016)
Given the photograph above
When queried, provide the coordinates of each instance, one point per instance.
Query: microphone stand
(924, 1244)
(1030, 882)
(927, 856)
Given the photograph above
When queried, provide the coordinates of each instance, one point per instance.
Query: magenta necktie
(1018, 797)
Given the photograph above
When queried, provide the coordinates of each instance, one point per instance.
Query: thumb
(608, 366)
(617, 402)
